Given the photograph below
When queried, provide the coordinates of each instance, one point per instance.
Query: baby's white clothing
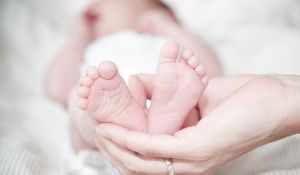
(132, 52)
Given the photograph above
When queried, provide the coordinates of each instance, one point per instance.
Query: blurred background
(250, 36)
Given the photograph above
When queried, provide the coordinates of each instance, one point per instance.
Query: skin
(63, 72)
(210, 153)
(170, 101)
(99, 20)
(250, 111)
(158, 23)
(104, 96)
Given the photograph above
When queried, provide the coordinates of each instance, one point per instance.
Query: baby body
(103, 96)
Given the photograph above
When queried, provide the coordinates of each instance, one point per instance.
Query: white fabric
(131, 51)
(258, 36)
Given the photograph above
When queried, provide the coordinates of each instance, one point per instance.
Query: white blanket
(250, 36)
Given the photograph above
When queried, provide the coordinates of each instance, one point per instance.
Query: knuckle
(133, 168)
(125, 144)
(151, 152)
(204, 154)
(204, 157)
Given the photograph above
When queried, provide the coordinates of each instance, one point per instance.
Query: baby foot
(178, 86)
(105, 96)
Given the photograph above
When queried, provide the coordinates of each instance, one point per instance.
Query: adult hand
(259, 111)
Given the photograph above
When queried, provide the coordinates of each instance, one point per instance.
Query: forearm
(63, 72)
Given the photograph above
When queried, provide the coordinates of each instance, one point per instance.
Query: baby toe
(86, 81)
(92, 72)
(169, 52)
(83, 103)
(107, 70)
(187, 54)
(200, 70)
(193, 62)
(83, 92)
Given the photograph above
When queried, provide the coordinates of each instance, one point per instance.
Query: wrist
(295, 115)
(292, 100)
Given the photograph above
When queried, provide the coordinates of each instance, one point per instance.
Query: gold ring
(170, 167)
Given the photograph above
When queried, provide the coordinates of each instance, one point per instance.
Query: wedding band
(170, 167)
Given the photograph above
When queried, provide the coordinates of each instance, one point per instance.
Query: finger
(190, 167)
(132, 163)
(135, 163)
(145, 144)
(137, 90)
(148, 82)
(113, 160)
(139, 164)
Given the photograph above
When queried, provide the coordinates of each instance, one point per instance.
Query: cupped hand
(251, 112)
